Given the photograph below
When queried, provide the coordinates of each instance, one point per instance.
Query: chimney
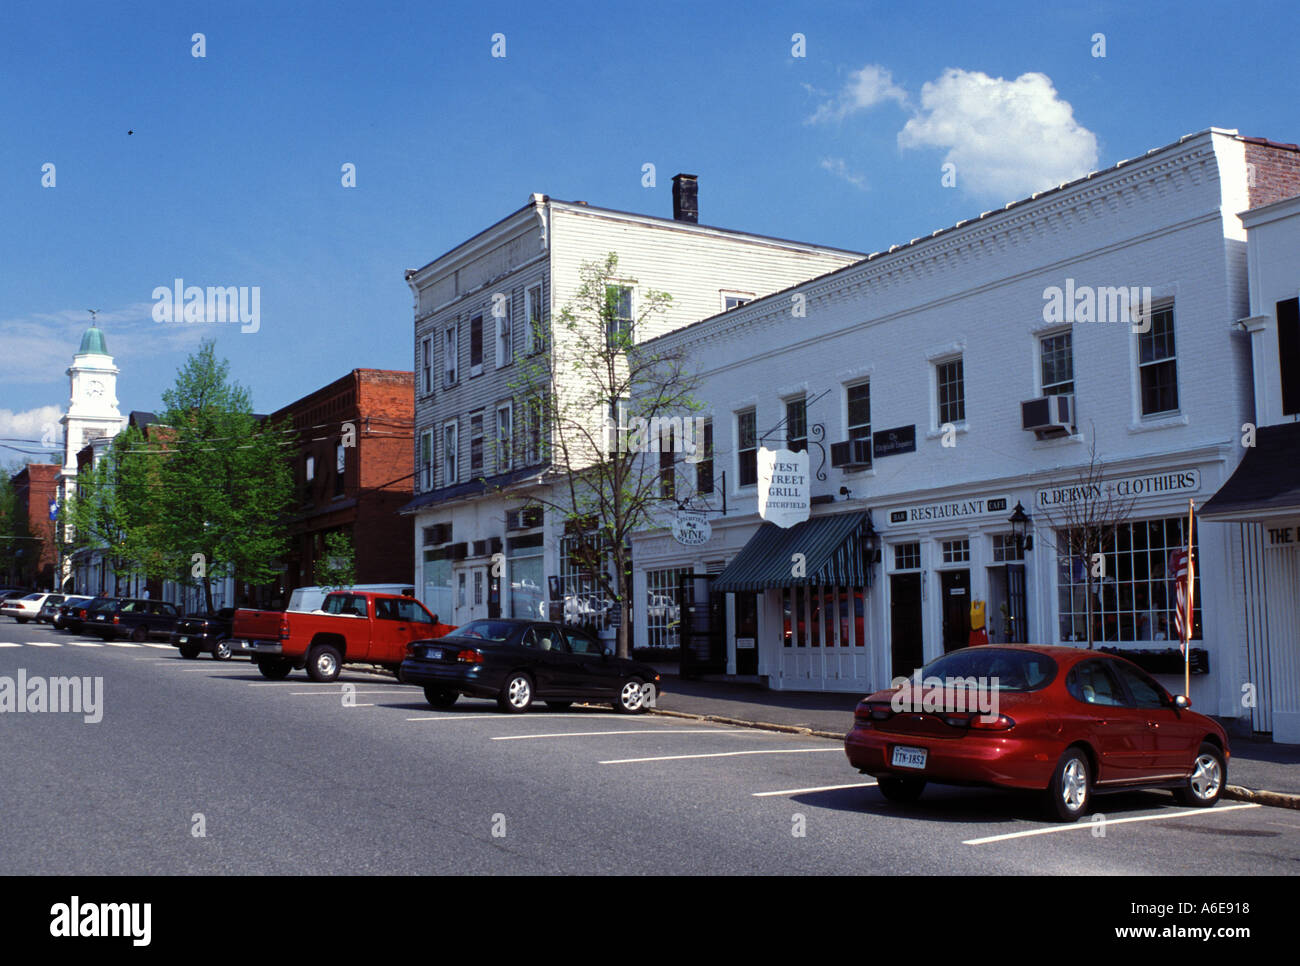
(686, 193)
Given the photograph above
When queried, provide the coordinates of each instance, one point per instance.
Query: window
(1135, 597)
(1146, 693)
(426, 460)
(340, 468)
(827, 616)
(426, 365)
(858, 399)
(535, 337)
(663, 611)
(476, 445)
(704, 468)
(952, 391)
(1288, 354)
(1093, 683)
(505, 335)
(1056, 355)
(667, 465)
(534, 428)
(1157, 366)
(747, 447)
(476, 346)
(1006, 549)
(309, 470)
(735, 301)
(907, 556)
(956, 551)
(527, 568)
(618, 305)
(449, 454)
(584, 601)
(505, 436)
(796, 425)
(449, 355)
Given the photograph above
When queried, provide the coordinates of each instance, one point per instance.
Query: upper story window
(505, 436)
(734, 300)
(426, 365)
(858, 399)
(951, 386)
(450, 354)
(340, 468)
(505, 334)
(426, 460)
(747, 447)
(476, 445)
(668, 464)
(534, 429)
(535, 338)
(449, 450)
(618, 300)
(1158, 365)
(796, 425)
(704, 467)
(476, 346)
(1056, 361)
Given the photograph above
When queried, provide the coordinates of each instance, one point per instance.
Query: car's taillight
(284, 628)
(469, 656)
(81, 614)
(116, 619)
(1000, 723)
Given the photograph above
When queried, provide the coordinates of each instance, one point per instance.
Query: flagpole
(1191, 592)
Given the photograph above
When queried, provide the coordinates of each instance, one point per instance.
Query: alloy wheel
(1206, 777)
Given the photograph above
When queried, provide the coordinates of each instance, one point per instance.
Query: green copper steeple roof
(93, 342)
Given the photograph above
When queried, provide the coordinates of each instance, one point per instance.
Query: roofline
(756, 304)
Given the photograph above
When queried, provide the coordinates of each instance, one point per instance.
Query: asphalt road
(295, 777)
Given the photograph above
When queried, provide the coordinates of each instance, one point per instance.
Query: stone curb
(1262, 797)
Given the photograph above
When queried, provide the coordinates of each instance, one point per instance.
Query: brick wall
(1275, 168)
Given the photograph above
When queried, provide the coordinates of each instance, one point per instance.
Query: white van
(308, 599)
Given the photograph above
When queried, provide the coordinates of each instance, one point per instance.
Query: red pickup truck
(352, 627)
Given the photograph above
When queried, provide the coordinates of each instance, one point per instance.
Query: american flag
(1178, 569)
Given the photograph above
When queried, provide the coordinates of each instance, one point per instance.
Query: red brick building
(35, 487)
(352, 472)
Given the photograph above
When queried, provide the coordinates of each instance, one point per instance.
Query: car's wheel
(323, 663)
(221, 650)
(140, 635)
(1209, 775)
(1070, 793)
(189, 651)
(274, 668)
(901, 789)
(631, 697)
(22, 620)
(517, 696)
(440, 697)
(559, 705)
(397, 672)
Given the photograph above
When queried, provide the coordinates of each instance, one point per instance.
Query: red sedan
(1071, 722)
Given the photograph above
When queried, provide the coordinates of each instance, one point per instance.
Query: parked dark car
(136, 618)
(205, 634)
(517, 661)
(80, 617)
(1069, 722)
(63, 613)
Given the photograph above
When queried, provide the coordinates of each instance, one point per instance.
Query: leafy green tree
(337, 566)
(220, 489)
(15, 542)
(111, 509)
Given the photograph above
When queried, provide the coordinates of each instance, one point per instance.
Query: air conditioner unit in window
(852, 454)
(524, 518)
(1048, 415)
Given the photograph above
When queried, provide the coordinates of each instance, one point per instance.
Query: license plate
(905, 757)
(183, 640)
(433, 655)
(100, 617)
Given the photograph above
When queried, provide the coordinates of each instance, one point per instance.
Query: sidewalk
(1256, 766)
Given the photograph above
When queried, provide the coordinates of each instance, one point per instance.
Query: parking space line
(163, 647)
(1092, 823)
(628, 731)
(42, 644)
(724, 754)
(335, 693)
(495, 716)
(83, 644)
(10, 645)
(819, 788)
(120, 644)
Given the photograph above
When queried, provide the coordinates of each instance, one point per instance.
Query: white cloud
(866, 88)
(1006, 138)
(39, 425)
(840, 168)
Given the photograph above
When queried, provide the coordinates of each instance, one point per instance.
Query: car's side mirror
(1182, 702)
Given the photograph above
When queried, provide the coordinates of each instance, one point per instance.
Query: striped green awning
(833, 548)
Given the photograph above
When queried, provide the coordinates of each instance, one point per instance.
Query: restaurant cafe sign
(1122, 488)
(949, 510)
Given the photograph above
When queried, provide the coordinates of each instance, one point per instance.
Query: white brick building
(952, 328)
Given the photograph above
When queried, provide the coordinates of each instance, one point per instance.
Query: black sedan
(517, 661)
(205, 633)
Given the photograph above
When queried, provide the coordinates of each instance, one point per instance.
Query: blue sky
(232, 175)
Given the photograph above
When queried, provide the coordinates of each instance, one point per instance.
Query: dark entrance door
(747, 633)
(954, 585)
(905, 624)
(703, 627)
(1017, 608)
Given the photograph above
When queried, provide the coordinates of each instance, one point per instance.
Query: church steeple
(93, 342)
(92, 404)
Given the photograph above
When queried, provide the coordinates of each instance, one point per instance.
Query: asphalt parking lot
(361, 775)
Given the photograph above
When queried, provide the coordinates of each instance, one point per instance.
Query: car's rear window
(1005, 670)
(487, 630)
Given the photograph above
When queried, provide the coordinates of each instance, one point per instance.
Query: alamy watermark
(1090, 303)
(953, 695)
(659, 434)
(21, 694)
(240, 304)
